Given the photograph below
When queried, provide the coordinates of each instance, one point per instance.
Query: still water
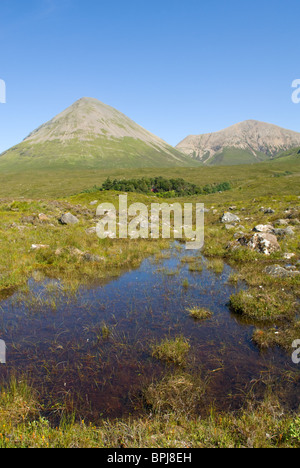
(91, 352)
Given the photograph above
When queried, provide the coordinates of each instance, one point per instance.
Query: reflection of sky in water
(63, 350)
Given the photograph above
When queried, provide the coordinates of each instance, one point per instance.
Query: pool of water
(91, 352)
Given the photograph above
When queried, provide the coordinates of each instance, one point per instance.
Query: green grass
(263, 306)
(199, 313)
(257, 425)
(97, 153)
(63, 179)
(172, 350)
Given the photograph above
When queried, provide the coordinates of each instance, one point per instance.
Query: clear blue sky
(175, 67)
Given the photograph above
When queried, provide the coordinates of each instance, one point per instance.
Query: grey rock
(91, 230)
(282, 222)
(287, 232)
(264, 242)
(280, 272)
(87, 257)
(229, 218)
(263, 228)
(269, 211)
(68, 219)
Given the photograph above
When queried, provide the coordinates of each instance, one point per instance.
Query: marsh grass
(272, 337)
(185, 284)
(172, 423)
(180, 394)
(199, 313)
(265, 306)
(196, 267)
(66, 245)
(172, 350)
(216, 265)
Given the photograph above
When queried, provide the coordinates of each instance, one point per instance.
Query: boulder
(280, 272)
(282, 222)
(263, 228)
(230, 218)
(264, 243)
(287, 232)
(68, 219)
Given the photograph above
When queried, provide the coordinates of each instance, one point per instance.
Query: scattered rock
(76, 252)
(68, 219)
(280, 272)
(91, 230)
(265, 243)
(43, 218)
(287, 232)
(269, 211)
(288, 256)
(282, 222)
(39, 247)
(229, 218)
(87, 257)
(94, 202)
(263, 228)
(29, 219)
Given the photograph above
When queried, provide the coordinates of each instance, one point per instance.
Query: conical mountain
(246, 142)
(93, 134)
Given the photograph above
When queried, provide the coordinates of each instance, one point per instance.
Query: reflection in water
(92, 352)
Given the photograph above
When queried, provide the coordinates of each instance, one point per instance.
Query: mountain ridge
(245, 142)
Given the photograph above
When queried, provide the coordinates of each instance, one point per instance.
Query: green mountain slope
(292, 155)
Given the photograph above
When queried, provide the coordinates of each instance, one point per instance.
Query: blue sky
(175, 67)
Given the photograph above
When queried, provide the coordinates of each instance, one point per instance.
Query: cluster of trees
(163, 187)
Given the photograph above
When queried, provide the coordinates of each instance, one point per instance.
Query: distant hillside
(291, 155)
(93, 135)
(244, 143)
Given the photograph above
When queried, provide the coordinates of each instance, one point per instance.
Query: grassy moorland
(61, 181)
(75, 255)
